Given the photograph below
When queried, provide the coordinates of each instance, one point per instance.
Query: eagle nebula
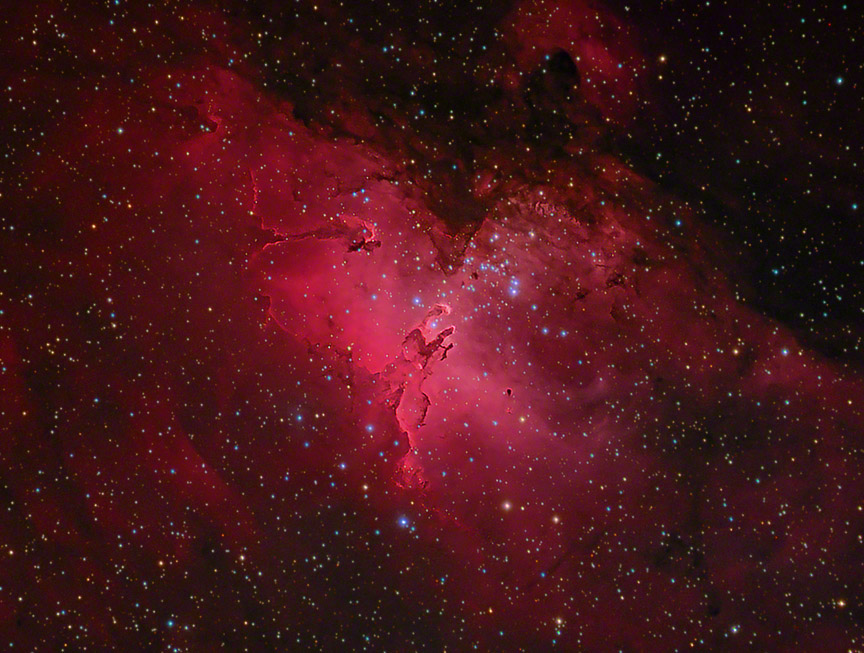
(523, 325)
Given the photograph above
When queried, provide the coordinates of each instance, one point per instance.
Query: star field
(515, 326)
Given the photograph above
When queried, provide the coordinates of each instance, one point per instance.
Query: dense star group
(430, 326)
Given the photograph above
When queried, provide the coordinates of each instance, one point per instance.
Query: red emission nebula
(359, 326)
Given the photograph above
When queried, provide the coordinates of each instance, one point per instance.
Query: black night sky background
(417, 326)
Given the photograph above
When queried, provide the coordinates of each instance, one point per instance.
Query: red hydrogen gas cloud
(322, 330)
